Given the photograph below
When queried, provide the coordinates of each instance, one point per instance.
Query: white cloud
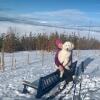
(72, 14)
(61, 17)
(42, 21)
(25, 28)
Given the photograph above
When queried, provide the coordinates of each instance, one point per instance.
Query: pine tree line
(14, 42)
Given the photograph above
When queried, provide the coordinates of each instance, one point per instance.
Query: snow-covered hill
(42, 64)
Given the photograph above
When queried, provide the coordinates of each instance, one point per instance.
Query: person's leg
(61, 71)
(63, 82)
(68, 76)
(62, 85)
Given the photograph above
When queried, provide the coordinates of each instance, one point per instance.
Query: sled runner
(46, 83)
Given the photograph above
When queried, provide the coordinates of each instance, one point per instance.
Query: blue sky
(50, 5)
(52, 13)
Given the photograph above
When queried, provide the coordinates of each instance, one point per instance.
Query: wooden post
(28, 59)
(13, 62)
(42, 57)
(2, 60)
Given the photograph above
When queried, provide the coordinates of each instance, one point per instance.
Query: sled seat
(46, 83)
(32, 85)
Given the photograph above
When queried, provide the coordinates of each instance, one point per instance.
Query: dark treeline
(14, 42)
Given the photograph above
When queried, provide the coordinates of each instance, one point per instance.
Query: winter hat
(57, 42)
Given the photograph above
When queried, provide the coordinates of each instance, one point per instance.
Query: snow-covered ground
(42, 63)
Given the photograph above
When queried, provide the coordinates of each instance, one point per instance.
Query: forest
(12, 41)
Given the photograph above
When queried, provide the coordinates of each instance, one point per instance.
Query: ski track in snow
(11, 79)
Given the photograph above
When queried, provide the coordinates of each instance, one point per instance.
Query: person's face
(60, 45)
